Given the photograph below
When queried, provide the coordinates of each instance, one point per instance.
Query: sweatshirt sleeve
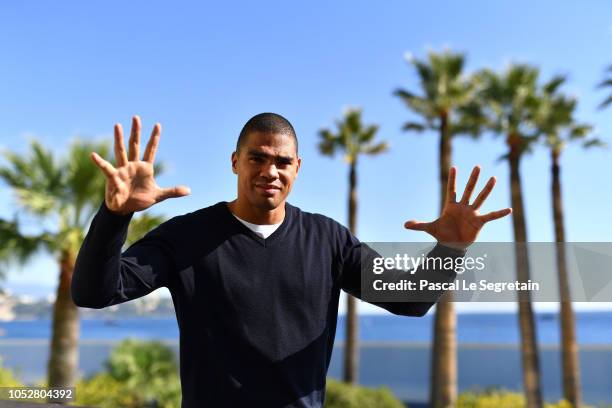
(103, 276)
(358, 258)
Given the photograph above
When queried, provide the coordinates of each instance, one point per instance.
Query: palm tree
(511, 101)
(353, 138)
(555, 119)
(606, 83)
(61, 196)
(449, 107)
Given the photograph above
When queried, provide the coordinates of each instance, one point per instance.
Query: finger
(134, 139)
(107, 168)
(469, 188)
(173, 192)
(494, 215)
(149, 154)
(418, 225)
(120, 155)
(484, 193)
(451, 185)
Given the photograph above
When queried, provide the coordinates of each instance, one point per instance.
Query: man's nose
(270, 171)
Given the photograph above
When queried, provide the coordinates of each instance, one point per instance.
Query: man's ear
(234, 162)
(299, 163)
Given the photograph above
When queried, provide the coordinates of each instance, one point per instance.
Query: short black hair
(266, 122)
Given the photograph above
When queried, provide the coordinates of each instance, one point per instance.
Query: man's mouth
(268, 188)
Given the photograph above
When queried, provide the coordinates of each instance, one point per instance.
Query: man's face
(266, 167)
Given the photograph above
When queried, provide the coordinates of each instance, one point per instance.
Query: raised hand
(460, 222)
(131, 186)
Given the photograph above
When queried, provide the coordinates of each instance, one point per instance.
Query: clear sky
(73, 69)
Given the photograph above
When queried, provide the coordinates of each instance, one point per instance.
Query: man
(255, 282)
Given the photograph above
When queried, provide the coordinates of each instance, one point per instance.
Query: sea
(394, 350)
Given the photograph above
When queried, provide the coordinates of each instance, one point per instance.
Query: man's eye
(257, 160)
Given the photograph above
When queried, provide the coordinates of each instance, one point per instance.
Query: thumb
(417, 225)
(173, 192)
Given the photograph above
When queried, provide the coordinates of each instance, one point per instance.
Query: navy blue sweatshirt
(257, 317)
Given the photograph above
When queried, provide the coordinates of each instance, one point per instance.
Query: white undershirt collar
(262, 230)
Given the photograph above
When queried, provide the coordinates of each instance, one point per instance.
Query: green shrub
(138, 375)
(491, 399)
(563, 404)
(103, 391)
(500, 398)
(8, 378)
(341, 395)
(147, 368)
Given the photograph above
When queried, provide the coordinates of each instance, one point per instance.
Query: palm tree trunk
(443, 388)
(569, 347)
(64, 353)
(530, 357)
(351, 352)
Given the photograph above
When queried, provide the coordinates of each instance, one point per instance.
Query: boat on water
(110, 322)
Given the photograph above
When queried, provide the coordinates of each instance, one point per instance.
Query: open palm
(460, 222)
(131, 186)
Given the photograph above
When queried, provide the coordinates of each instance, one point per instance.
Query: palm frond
(503, 157)
(328, 143)
(594, 142)
(404, 94)
(17, 247)
(367, 134)
(419, 105)
(139, 226)
(85, 182)
(414, 126)
(580, 131)
(469, 119)
(36, 181)
(605, 103)
(446, 93)
(375, 149)
(352, 137)
(554, 117)
(605, 83)
(553, 85)
(510, 100)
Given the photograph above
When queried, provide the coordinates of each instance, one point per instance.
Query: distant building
(7, 302)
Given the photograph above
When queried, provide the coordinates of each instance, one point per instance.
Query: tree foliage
(138, 374)
(352, 137)
(56, 200)
(448, 97)
(341, 395)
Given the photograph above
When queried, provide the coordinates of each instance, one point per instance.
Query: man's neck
(256, 215)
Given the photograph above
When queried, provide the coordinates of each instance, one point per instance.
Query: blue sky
(73, 69)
